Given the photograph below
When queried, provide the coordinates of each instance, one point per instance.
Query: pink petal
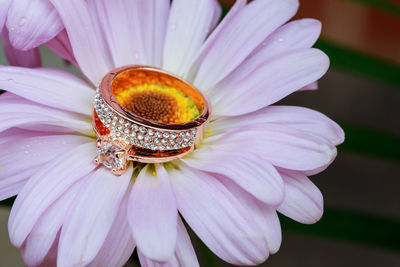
(61, 46)
(190, 21)
(16, 111)
(303, 119)
(217, 216)
(303, 201)
(310, 87)
(247, 170)
(184, 253)
(263, 215)
(240, 36)
(50, 87)
(86, 39)
(22, 157)
(280, 145)
(46, 186)
(153, 215)
(87, 226)
(230, 16)
(44, 233)
(29, 59)
(121, 35)
(5, 5)
(32, 23)
(151, 18)
(253, 85)
(119, 244)
(297, 34)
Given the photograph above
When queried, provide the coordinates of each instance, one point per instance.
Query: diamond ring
(147, 115)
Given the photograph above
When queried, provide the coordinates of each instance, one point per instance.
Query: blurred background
(361, 224)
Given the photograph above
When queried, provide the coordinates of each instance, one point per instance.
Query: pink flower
(26, 24)
(253, 161)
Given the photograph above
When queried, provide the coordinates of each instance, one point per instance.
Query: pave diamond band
(146, 115)
(139, 135)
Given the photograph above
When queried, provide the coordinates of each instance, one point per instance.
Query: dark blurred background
(361, 224)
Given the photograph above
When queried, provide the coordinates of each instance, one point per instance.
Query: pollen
(158, 103)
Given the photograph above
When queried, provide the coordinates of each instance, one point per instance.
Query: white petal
(153, 214)
(88, 225)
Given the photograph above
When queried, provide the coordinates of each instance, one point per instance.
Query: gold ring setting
(147, 115)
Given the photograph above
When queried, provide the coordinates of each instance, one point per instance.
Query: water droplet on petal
(22, 21)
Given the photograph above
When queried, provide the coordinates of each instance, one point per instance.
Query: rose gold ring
(147, 115)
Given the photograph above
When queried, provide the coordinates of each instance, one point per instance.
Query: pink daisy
(26, 24)
(253, 161)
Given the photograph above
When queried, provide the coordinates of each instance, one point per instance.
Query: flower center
(157, 97)
(158, 103)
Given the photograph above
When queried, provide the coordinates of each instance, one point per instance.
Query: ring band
(147, 115)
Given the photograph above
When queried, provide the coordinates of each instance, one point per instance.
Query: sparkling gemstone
(140, 137)
(194, 131)
(147, 138)
(119, 127)
(184, 145)
(108, 120)
(179, 140)
(154, 147)
(133, 134)
(115, 117)
(142, 129)
(173, 135)
(158, 134)
(108, 125)
(169, 147)
(121, 120)
(127, 124)
(150, 132)
(126, 131)
(188, 134)
(108, 153)
(164, 141)
(135, 127)
(132, 140)
(156, 140)
(165, 135)
(146, 145)
(114, 123)
(185, 139)
(176, 146)
(171, 141)
(118, 134)
(182, 134)
(161, 147)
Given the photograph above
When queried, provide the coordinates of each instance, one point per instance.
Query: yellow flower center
(158, 103)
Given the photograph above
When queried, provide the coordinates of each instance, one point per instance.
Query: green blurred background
(361, 224)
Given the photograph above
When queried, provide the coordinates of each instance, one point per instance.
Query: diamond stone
(111, 156)
(173, 135)
(142, 129)
(154, 147)
(158, 134)
(165, 135)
